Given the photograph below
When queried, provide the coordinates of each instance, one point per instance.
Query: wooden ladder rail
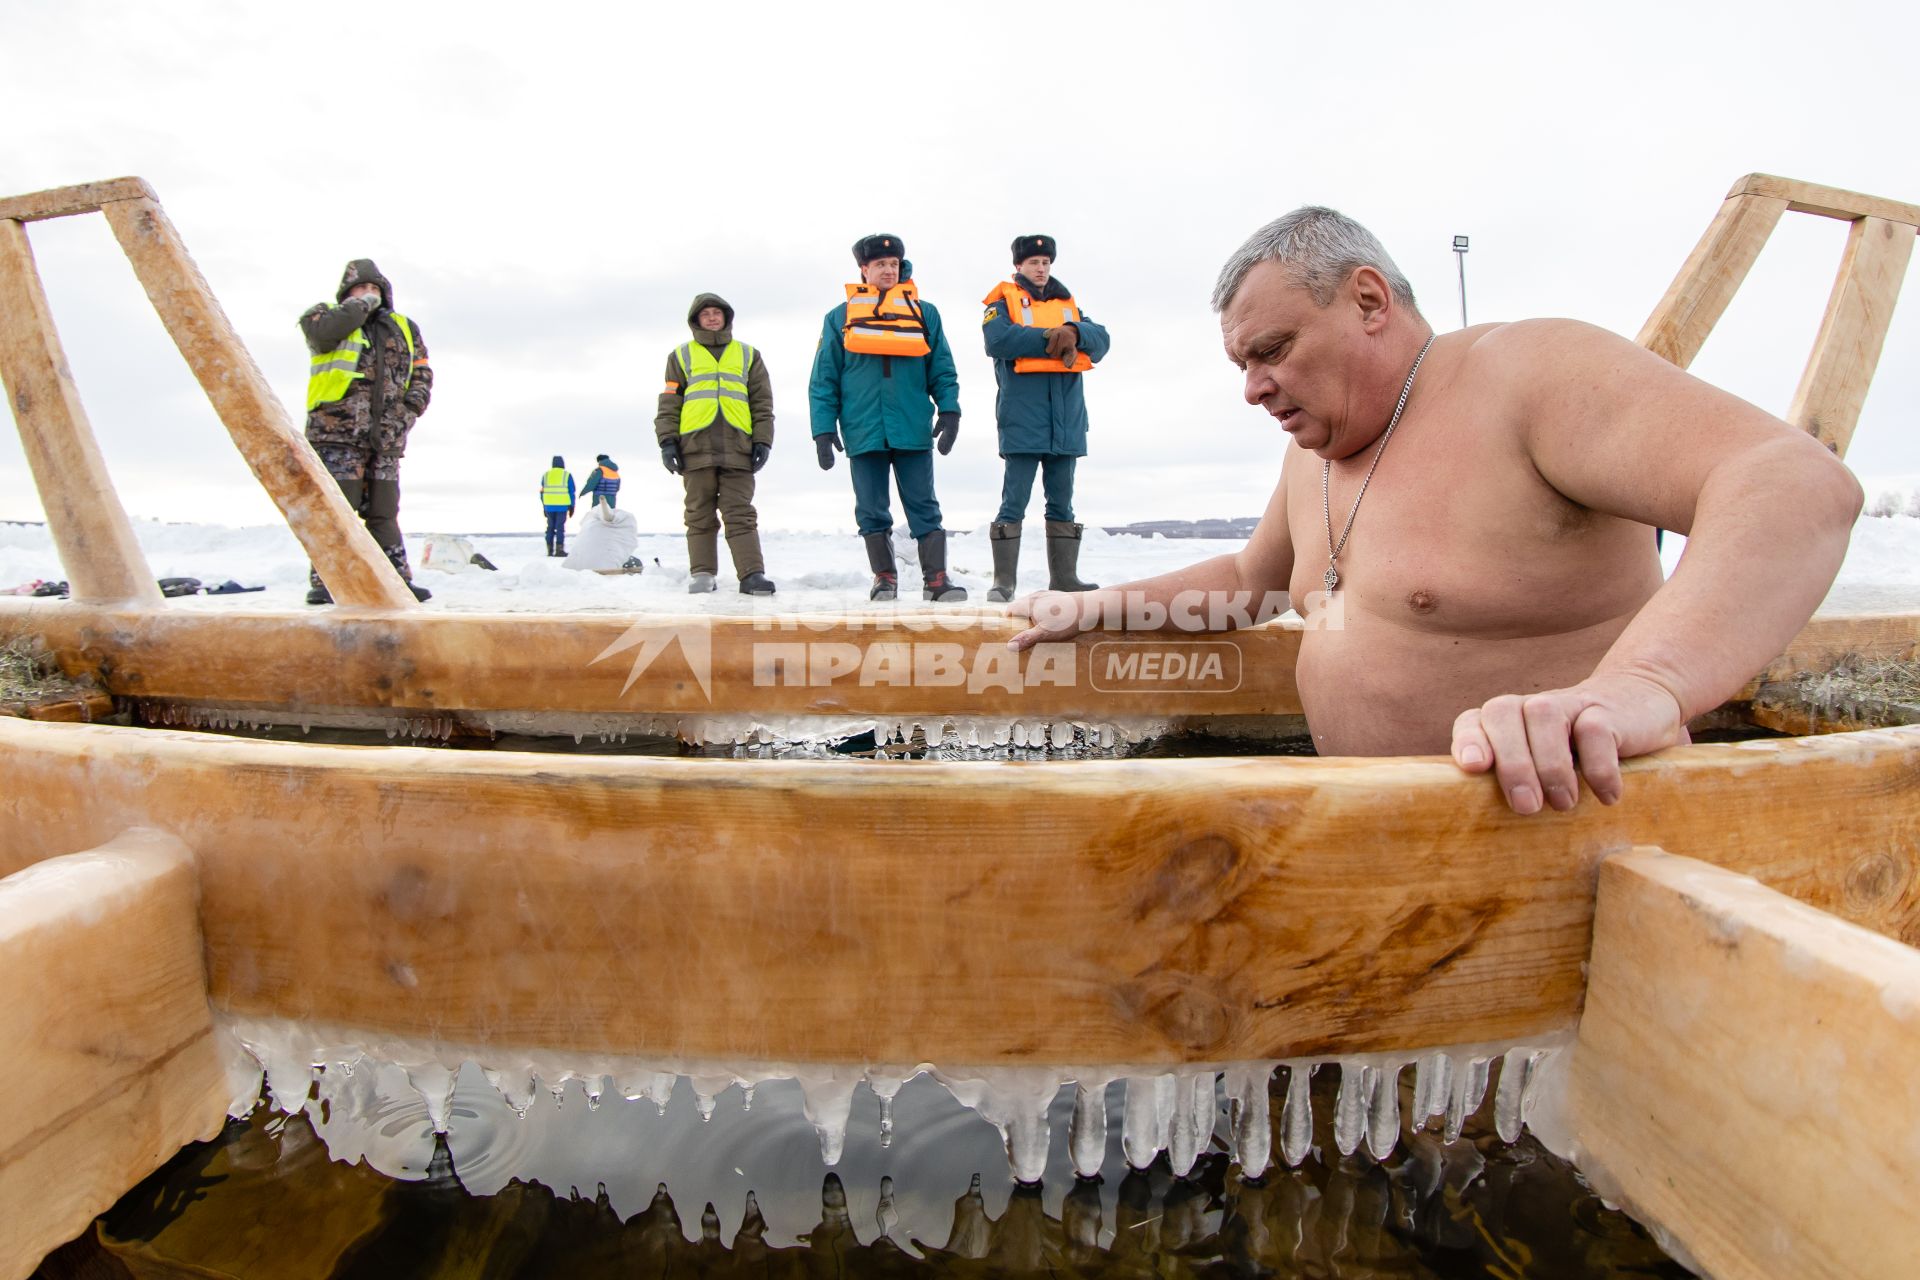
(88, 522)
(1854, 327)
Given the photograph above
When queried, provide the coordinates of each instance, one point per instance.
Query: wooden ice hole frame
(1187, 905)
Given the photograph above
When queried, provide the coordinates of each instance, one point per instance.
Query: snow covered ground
(815, 571)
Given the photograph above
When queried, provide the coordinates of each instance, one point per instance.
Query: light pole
(1460, 252)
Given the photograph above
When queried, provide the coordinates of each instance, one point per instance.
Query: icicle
(884, 1088)
(1534, 1060)
(706, 1093)
(1383, 1115)
(1252, 1133)
(1143, 1129)
(746, 1097)
(828, 1100)
(887, 1216)
(710, 1225)
(1062, 734)
(517, 1088)
(1442, 1093)
(1350, 1112)
(1509, 1095)
(1426, 1077)
(1296, 1118)
(595, 1085)
(660, 1088)
(1087, 1135)
(1028, 1138)
(1192, 1121)
(434, 1083)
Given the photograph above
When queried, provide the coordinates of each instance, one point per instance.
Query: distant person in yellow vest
(1042, 345)
(368, 383)
(715, 428)
(556, 498)
(883, 378)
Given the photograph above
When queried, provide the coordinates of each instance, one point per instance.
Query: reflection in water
(746, 1194)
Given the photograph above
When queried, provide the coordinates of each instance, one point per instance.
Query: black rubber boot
(756, 584)
(886, 574)
(1006, 560)
(935, 584)
(317, 592)
(1063, 557)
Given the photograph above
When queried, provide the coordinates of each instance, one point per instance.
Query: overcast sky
(548, 186)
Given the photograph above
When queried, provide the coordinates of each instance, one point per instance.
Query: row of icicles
(1175, 1113)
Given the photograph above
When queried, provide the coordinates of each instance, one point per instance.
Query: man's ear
(1371, 297)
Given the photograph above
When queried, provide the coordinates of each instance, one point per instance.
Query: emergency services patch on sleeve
(992, 313)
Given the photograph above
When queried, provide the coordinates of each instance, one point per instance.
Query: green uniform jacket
(881, 402)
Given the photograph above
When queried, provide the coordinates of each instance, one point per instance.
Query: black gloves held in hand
(825, 445)
(760, 455)
(945, 428)
(671, 458)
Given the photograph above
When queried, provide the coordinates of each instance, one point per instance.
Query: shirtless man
(1500, 592)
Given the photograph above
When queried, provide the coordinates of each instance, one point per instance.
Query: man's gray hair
(1320, 248)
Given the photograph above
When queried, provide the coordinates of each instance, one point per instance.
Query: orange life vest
(1023, 310)
(885, 324)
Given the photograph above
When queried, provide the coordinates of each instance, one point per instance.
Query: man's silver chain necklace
(1326, 507)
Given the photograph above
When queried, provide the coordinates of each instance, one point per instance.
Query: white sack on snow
(602, 538)
(447, 554)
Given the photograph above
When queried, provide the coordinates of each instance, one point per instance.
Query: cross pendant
(1332, 578)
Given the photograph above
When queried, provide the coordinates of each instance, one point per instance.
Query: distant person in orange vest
(1042, 345)
(603, 482)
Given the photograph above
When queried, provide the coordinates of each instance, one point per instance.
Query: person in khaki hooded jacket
(715, 428)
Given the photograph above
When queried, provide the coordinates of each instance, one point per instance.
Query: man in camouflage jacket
(362, 434)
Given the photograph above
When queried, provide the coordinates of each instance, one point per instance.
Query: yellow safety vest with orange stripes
(333, 372)
(1050, 314)
(885, 323)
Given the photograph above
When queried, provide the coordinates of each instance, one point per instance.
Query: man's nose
(1259, 385)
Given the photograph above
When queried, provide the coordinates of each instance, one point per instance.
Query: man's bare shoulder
(1547, 348)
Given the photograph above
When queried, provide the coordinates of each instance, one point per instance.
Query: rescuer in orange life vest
(881, 374)
(1042, 346)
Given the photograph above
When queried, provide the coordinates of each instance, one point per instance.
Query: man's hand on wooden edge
(1540, 745)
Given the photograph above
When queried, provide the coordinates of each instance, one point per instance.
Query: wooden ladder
(1879, 242)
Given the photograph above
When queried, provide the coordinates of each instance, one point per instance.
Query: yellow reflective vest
(333, 372)
(1050, 314)
(716, 387)
(885, 324)
(553, 488)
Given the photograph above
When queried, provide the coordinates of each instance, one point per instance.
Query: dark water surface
(746, 1195)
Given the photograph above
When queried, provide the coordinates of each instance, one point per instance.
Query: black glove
(671, 458)
(760, 453)
(825, 446)
(945, 428)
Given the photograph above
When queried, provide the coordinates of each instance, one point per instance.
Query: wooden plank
(1709, 278)
(433, 663)
(61, 202)
(948, 664)
(102, 559)
(111, 1063)
(1827, 202)
(1854, 328)
(1744, 1074)
(335, 540)
(1114, 911)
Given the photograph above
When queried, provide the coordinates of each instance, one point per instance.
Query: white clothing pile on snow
(603, 537)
